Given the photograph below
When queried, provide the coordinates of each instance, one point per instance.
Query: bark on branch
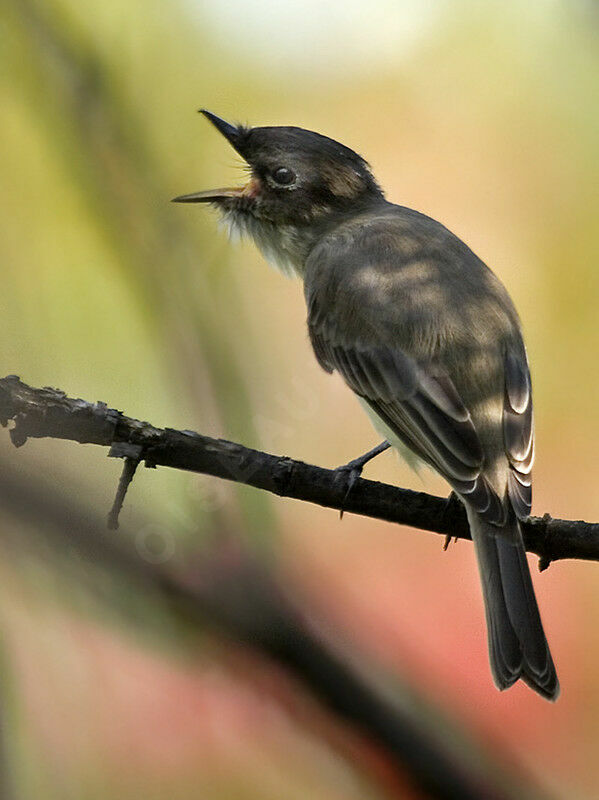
(47, 412)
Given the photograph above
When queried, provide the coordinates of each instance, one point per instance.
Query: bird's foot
(453, 502)
(348, 474)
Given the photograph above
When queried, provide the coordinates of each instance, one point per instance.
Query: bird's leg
(351, 471)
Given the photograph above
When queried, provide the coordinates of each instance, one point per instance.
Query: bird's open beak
(233, 135)
(212, 195)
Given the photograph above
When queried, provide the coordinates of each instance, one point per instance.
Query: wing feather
(518, 431)
(422, 406)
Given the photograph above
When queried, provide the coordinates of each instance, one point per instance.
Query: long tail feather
(517, 644)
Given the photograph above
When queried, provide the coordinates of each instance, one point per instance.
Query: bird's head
(296, 176)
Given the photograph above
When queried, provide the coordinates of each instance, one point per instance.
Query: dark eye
(283, 176)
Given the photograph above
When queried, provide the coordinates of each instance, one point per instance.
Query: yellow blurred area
(483, 116)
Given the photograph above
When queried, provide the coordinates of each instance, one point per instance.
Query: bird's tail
(517, 644)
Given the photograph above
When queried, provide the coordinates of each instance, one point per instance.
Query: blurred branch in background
(47, 412)
(228, 589)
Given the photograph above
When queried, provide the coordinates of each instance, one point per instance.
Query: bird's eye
(283, 176)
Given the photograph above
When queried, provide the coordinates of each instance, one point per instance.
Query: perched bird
(426, 336)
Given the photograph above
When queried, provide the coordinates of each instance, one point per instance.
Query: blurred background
(483, 115)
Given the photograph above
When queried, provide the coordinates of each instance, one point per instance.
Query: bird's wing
(518, 431)
(415, 397)
(423, 409)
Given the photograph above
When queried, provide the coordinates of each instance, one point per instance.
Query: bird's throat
(286, 247)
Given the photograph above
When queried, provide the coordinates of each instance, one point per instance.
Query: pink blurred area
(221, 723)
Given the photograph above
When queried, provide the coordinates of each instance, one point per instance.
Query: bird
(426, 336)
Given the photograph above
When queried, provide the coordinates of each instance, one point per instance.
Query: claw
(350, 474)
(452, 501)
(352, 471)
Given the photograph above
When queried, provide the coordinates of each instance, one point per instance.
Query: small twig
(132, 453)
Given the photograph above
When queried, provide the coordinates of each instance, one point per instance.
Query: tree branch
(39, 413)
